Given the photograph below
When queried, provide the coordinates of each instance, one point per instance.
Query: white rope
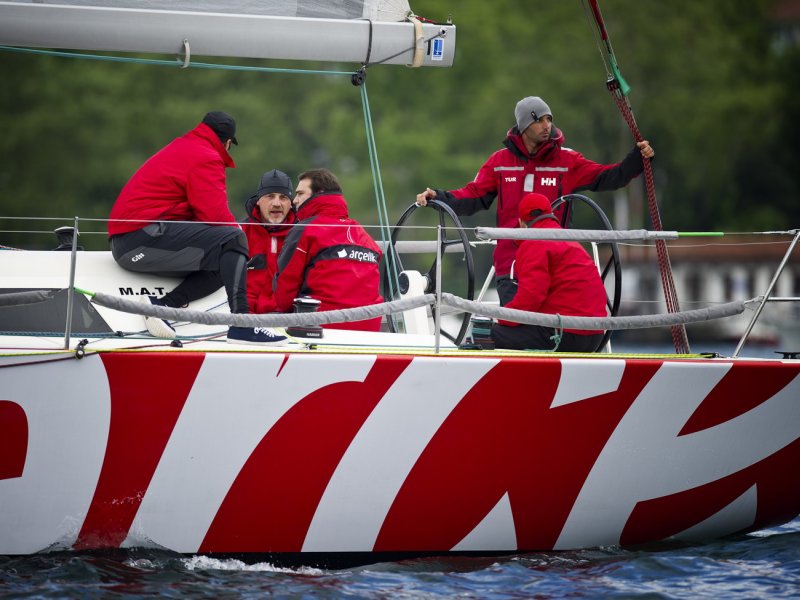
(360, 313)
(376, 310)
(574, 235)
(608, 323)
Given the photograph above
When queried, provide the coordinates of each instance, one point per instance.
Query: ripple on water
(759, 565)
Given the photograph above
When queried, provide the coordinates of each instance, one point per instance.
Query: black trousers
(208, 256)
(535, 337)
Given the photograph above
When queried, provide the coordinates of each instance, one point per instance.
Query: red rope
(679, 338)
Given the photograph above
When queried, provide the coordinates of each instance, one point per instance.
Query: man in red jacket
(533, 160)
(269, 219)
(328, 255)
(172, 219)
(553, 277)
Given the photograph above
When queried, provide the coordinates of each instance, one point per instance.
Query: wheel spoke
(444, 213)
(608, 266)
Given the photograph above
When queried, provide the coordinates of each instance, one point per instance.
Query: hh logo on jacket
(544, 181)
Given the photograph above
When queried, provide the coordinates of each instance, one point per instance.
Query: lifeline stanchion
(70, 291)
(437, 318)
(767, 294)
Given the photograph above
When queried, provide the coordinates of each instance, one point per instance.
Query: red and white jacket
(184, 181)
(265, 242)
(557, 277)
(331, 258)
(553, 170)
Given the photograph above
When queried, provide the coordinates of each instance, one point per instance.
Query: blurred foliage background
(714, 88)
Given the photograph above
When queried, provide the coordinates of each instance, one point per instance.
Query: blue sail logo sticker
(438, 49)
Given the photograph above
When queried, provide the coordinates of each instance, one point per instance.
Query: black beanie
(223, 125)
(275, 181)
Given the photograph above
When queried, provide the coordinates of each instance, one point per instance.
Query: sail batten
(228, 34)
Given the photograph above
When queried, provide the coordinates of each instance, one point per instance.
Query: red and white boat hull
(248, 452)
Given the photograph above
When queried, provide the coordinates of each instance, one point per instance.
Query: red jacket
(553, 171)
(184, 181)
(557, 278)
(337, 265)
(265, 242)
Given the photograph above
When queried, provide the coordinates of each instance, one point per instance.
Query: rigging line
(373, 155)
(788, 232)
(665, 267)
(619, 90)
(47, 360)
(369, 44)
(612, 68)
(377, 182)
(674, 244)
(169, 63)
(598, 41)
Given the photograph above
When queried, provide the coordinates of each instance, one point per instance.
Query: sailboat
(357, 446)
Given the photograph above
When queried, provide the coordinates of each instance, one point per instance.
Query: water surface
(760, 565)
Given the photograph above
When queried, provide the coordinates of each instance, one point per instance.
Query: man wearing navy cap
(172, 219)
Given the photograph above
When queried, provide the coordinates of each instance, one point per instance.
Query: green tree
(711, 89)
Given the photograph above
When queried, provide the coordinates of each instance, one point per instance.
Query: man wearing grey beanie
(533, 159)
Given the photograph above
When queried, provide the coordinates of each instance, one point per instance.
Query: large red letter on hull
(13, 439)
(147, 395)
(515, 444)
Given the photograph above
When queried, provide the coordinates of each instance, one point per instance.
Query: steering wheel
(394, 282)
(611, 250)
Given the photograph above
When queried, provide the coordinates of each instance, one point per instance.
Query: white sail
(351, 31)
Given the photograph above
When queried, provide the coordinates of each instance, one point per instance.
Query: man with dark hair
(172, 219)
(328, 255)
(533, 160)
(554, 277)
(269, 219)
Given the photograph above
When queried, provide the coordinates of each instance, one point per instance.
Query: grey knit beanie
(530, 109)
